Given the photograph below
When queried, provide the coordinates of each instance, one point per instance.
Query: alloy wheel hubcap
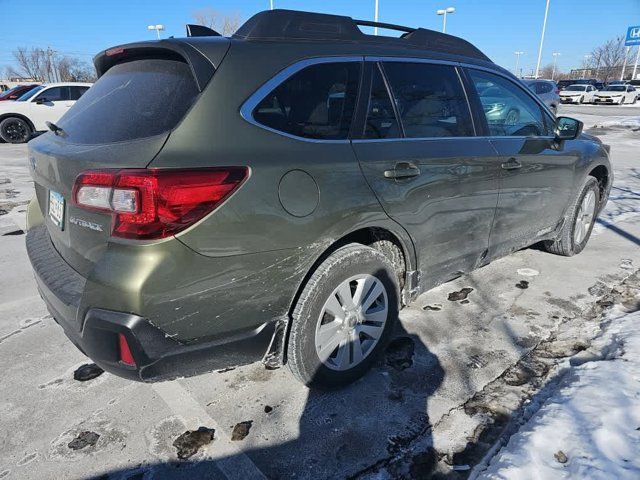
(351, 322)
(586, 212)
(15, 131)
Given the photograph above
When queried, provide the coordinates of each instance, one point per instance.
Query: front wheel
(343, 318)
(578, 222)
(581, 101)
(15, 130)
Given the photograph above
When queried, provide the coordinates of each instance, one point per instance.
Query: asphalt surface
(295, 433)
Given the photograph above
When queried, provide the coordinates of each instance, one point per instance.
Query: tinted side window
(507, 107)
(54, 94)
(430, 100)
(543, 87)
(316, 102)
(381, 119)
(76, 92)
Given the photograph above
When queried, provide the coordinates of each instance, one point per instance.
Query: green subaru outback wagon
(282, 193)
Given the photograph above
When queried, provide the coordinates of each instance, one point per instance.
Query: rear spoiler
(201, 67)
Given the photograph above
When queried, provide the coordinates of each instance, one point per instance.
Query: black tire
(15, 130)
(565, 245)
(345, 263)
(581, 101)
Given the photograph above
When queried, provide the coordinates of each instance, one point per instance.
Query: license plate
(56, 209)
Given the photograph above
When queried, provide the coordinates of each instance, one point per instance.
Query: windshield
(30, 94)
(576, 88)
(616, 88)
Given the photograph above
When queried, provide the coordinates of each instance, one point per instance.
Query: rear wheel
(578, 222)
(343, 317)
(15, 130)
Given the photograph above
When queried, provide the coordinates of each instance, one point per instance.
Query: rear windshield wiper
(56, 129)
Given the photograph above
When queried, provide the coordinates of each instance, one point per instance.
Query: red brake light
(126, 356)
(153, 204)
(114, 51)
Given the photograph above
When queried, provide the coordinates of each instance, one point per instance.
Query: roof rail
(201, 31)
(278, 25)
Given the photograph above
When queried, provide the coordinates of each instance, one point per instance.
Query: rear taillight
(151, 203)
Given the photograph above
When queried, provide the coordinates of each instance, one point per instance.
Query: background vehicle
(203, 206)
(578, 94)
(16, 92)
(547, 90)
(30, 112)
(562, 84)
(617, 94)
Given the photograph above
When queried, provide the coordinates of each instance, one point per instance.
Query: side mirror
(40, 101)
(567, 128)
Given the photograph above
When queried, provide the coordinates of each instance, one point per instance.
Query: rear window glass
(132, 100)
(317, 102)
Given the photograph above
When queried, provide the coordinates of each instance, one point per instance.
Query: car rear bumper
(95, 331)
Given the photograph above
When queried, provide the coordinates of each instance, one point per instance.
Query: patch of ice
(528, 272)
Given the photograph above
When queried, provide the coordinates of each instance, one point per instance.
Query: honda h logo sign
(633, 36)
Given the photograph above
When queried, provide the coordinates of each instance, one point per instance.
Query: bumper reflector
(125, 352)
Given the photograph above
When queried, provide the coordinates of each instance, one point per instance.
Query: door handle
(511, 164)
(403, 170)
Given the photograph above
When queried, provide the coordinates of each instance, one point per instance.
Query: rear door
(536, 172)
(420, 155)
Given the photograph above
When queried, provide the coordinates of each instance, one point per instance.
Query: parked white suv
(29, 113)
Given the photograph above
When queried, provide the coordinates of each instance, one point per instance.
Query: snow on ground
(590, 427)
(620, 122)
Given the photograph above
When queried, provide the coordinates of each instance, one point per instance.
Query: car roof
(66, 84)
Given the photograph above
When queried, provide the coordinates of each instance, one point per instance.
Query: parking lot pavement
(459, 347)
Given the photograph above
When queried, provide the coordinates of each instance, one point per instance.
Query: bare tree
(71, 69)
(226, 24)
(607, 59)
(547, 71)
(46, 66)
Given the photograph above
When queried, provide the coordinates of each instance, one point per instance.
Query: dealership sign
(633, 36)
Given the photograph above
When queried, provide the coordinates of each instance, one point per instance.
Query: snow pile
(590, 427)
(620, 122)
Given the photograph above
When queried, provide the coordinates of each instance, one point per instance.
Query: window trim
(249, 105)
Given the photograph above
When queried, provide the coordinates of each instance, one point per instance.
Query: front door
(429, 171)
(536, 171)
(49, 105)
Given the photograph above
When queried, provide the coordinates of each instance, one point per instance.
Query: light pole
(624, 64)
(544, 27)
(517, 62)
(635, 65)
(270, 4)
(157, 28)
(375, 17)
(444, 12)
(555, 59)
